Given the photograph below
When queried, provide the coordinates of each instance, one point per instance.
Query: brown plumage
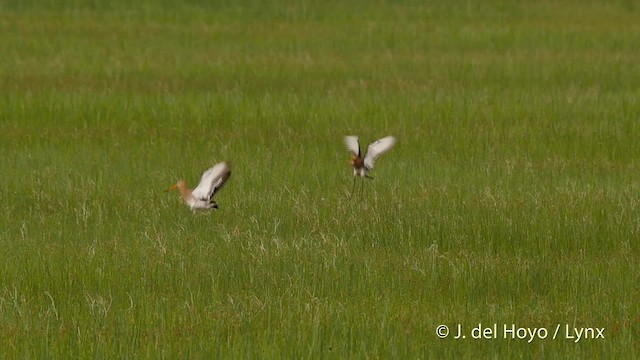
(362, 165)
(201, 198)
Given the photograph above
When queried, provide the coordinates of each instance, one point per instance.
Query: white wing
(352, 144)
(376, 149)
(212, 180)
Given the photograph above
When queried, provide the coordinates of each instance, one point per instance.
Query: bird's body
(201, 198)
(362, 165)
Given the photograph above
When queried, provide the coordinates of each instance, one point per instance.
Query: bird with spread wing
(201, 198)
(362, 165)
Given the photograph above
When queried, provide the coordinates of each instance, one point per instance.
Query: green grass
(512, 196)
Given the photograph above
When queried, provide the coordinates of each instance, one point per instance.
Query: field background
(511, 197)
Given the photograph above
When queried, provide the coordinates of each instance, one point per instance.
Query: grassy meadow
(512, 196)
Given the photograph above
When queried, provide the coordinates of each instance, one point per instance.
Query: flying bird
(362, 166)
(201, 198)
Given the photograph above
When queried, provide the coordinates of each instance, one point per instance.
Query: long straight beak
(174, 186)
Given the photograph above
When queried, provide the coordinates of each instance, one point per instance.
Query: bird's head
(353, 159)
(180, 184)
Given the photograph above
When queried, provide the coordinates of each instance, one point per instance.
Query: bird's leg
(362, 187)
(354, 185)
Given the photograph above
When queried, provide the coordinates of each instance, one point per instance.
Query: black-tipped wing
(220, 183)
(212, 181)
(353, 145)
(376, 149)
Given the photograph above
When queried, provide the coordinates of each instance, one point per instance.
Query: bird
(201, 198)
(362, 166)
